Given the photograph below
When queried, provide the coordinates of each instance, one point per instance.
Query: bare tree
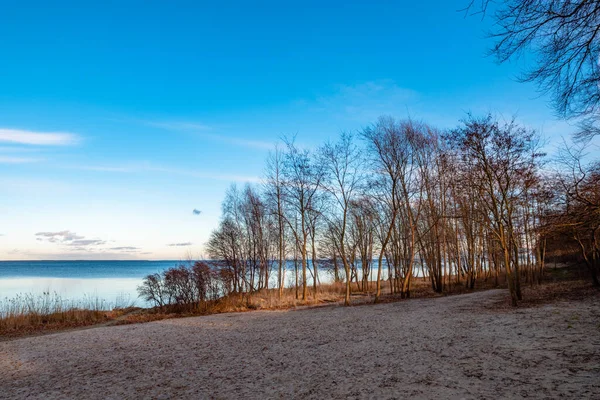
(342, 164)
(152, 290)
(563, 35)
(386, 150)
(302, 178)
(362, 232)
(224, 246)
(274, 189)
(498, 157)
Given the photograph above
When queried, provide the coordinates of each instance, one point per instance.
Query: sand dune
(451, 347)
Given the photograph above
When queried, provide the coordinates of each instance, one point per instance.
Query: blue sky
(118, 119)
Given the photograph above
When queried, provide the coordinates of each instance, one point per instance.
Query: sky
(118, 119)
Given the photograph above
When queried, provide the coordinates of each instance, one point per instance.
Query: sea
(114, 282)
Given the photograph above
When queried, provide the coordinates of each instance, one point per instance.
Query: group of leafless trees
(397, 200)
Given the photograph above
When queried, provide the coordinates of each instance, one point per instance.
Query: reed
(49, 311)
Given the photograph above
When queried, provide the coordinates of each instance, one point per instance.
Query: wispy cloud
(18, 160)
(19, 153)
(126, 249)
(37, 138)
(146, 167)
(62, 236)
(72, 242)
(70, 239)
(180, 244)
(207, 132)
(195, 211)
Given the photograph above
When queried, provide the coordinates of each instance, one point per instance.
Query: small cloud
(126, 249)
(180, 244)
(195, 211)
(65, 236)
(37, 138)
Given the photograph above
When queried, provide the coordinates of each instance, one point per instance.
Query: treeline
(400, 199)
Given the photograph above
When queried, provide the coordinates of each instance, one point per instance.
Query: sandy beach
(451, 347)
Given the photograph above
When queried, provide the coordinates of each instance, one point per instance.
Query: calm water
(109, 280)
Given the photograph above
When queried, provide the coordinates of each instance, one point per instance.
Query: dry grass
(49, 312)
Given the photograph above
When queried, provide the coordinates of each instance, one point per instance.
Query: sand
(450, 347)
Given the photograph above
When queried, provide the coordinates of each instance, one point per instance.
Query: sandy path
(449, 347)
